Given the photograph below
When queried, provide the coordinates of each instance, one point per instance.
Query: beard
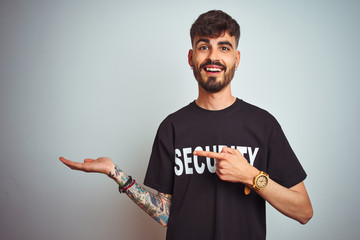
(212, 84)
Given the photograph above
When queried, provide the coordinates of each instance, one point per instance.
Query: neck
(215, 101)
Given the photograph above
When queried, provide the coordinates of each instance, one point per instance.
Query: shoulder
(179, 114)
(167, 125)
(256, 113)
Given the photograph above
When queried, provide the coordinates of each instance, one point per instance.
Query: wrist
(118, 175)
(253, 172)
(129, 183)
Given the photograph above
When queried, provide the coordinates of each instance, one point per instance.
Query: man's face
(214, 61)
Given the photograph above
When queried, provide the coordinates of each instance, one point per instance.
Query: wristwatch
(260, 182)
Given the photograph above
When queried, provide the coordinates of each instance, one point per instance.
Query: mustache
(209, 62)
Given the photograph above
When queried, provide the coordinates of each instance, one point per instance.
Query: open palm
(100, 165)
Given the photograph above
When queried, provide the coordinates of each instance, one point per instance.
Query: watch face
(261, 181)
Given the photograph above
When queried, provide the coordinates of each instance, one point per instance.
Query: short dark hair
(213, 24)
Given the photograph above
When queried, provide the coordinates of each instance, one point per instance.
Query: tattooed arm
(156, 205)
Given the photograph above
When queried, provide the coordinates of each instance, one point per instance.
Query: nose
(213, 55)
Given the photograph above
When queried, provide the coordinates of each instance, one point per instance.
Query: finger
(220, 174)
(72, 164)
(209, 154)
(89, 160)
(228, 150)
(64, 160)
(217, 164)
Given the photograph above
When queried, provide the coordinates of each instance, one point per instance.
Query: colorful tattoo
(119, 176)
(157, 206)
(117, 171)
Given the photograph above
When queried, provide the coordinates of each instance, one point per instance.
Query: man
(216, 161)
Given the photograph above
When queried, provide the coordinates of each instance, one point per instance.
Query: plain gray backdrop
(86, 79)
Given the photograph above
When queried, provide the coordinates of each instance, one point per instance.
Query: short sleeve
(283, 165)
(160, 171)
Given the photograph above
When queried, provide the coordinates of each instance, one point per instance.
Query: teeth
(213, 69)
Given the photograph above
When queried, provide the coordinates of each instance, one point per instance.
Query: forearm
(231, 166)
(293, 202)
(156, 205)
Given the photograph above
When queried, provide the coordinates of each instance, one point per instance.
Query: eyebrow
(225, 43)
(219, 43)
(202, 40)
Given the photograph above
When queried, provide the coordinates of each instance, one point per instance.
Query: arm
(293, 202)
(233, 167)
(156, 205)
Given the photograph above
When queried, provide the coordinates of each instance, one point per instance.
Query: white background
(95, 78)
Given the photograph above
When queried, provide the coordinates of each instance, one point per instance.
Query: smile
(213, 68)
(208, 69)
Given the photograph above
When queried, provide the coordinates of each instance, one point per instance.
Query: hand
(100, 165)
(231, 165)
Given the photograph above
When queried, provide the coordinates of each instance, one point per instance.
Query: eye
(204, 47)
(225, 48)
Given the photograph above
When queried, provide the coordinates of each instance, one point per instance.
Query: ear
(190, 56)
(237, 58)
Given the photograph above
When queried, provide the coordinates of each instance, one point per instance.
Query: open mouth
(213, 67)
(213, 70)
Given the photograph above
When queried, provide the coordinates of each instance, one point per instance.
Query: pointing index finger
(209, 154)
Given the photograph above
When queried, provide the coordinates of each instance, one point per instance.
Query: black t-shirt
(203, 206)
